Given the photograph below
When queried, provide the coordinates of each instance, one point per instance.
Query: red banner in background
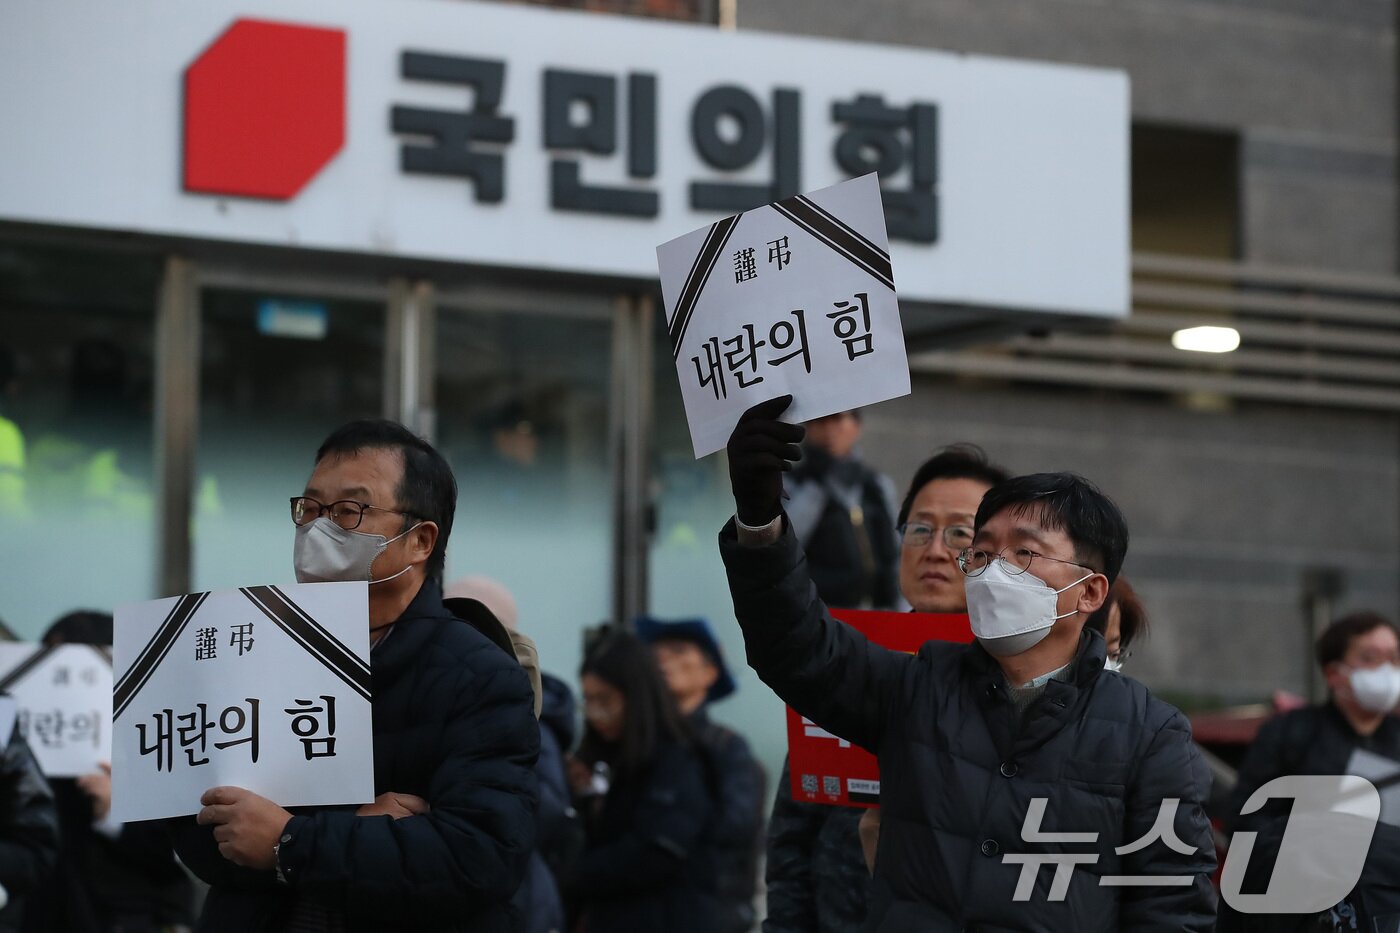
(826, 768)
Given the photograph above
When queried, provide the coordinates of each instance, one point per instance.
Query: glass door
(281, 365)
(522, 397)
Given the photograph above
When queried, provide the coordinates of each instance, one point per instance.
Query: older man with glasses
(445, 843)
(1020, 788)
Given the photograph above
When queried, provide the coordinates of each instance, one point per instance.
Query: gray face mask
(326, 553)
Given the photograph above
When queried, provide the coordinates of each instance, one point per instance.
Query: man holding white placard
(978, 743)
(445, 842)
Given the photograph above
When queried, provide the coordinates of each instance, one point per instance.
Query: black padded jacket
(959, 776)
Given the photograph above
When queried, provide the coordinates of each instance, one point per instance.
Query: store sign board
(544, 139)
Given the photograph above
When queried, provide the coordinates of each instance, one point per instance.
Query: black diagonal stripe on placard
(155, 651)
(832, 218)
(25, 666)
(695, 282)
(839, 236)
(311, 635)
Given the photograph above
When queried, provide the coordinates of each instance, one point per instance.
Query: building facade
(168, 373)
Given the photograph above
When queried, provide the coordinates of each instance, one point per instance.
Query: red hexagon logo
(264, 109)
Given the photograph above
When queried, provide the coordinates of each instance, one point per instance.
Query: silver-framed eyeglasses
(918, 535)
(1018, 560)
(347, 513)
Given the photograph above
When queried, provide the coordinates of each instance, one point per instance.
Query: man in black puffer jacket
(1359, 655)
(445, 843)
(983, 746)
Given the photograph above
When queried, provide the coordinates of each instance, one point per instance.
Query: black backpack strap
(474, 613)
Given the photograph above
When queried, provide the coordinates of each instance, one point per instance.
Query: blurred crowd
(608, 799)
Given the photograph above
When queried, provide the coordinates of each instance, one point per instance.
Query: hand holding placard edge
(761, 449)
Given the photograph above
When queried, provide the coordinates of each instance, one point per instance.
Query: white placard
(796, 297)
(262, 687)
(63, 698)
(1384, 773)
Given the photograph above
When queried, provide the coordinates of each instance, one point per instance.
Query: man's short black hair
(1333, 643)
(80, 627)
(956, 461)
(428, 490)
(1070, 503)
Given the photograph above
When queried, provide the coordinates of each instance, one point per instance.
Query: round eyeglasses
(918, 535)
(1017, 559)
(347, 513)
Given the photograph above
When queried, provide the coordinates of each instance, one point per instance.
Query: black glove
(761, 450)
(817, 462)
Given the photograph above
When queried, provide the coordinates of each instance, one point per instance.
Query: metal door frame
(410, 368)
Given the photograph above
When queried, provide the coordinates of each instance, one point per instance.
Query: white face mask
(1012, 612)
(1113, 664)
(1376, 688)
(326, 553)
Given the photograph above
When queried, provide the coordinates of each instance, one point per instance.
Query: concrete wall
(1310, 86)
(1226, 510)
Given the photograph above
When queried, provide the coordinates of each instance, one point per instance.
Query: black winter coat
(1314, 740)
(129, 881)
(454, 724)
(538, 897)
(958, 776)
(734, 834)
(816, 875)
(646, 866)
(28, 829)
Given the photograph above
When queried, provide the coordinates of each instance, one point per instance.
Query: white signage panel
(63, 704)
(542, 139)
(262, 687)
(798, 298)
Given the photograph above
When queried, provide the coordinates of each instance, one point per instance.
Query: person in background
(640, 787)
(1121, 621)
(111, 877)
(818, 875)
(842, 511)
(538, 897)
(28, 825)
(694, 668)
(1359, 655)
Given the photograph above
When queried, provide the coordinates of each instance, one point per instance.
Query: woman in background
(642, 794)
(1120, 620)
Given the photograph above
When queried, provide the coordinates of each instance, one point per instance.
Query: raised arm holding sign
(981, 747)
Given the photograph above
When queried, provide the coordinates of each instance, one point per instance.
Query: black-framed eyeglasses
(347, 513)
(1017, 559)
(918, 535)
